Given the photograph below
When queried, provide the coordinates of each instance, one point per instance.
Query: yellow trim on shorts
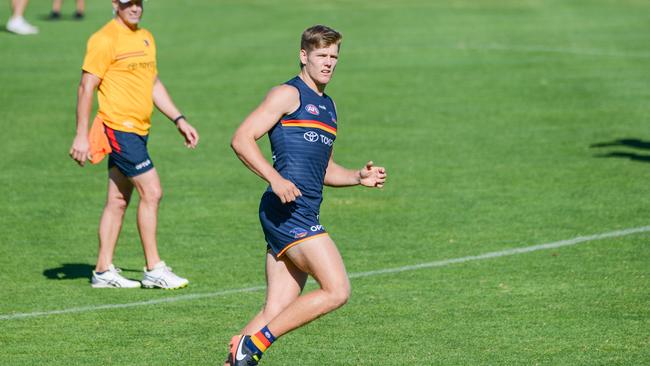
(298, 242)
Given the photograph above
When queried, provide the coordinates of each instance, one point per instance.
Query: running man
(120, 62)
(301, 122)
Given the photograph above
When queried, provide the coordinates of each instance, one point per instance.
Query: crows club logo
(298, 233)
(312, 109)
(311, 136)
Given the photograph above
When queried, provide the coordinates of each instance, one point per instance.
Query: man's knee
(151, 194)
(117, 203)
(339, 296)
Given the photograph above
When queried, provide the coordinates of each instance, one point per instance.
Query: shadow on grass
(627, 142)
(65, 17)
(71, 271)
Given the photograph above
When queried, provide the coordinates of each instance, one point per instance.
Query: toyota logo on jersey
(311, 136)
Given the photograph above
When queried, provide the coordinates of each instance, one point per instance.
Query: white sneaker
(112, 279)
(20, 26)
(163, 277)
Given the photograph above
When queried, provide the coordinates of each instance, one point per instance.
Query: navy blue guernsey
(301, 143)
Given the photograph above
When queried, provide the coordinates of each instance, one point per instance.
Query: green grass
(485, 114)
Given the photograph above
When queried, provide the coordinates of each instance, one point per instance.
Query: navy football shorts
(129, 154)
(286, 225)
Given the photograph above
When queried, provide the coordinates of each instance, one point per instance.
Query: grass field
(503, 124)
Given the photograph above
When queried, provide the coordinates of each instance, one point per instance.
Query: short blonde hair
(319, 36)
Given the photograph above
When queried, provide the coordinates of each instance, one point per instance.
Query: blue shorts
(129, 154)
(286, 225)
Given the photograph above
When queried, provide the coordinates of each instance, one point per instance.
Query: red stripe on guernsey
(259, 335)
(113, 140)
(309, 123)
(130, 54)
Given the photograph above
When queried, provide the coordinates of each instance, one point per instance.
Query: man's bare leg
(18, 7)
(150, 191)
(284, 284)
(117, 199)
(320, 258)
(56, 6)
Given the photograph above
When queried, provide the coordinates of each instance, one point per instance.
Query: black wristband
(178, 119)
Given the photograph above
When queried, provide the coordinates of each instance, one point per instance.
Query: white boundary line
(544, 49)
(441, 263)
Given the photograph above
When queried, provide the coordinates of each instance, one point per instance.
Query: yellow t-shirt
(125, 61)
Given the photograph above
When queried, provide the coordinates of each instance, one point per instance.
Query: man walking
(120, 63)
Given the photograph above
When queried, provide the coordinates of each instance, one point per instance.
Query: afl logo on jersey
(311, 136)
(146, 43)
(312, 109)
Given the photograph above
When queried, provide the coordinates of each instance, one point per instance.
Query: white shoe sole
(22, 31)
(105, 285)
(151, 284)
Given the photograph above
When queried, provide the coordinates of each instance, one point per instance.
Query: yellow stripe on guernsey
(261, 346)
(298, 242)
(125, 61)
(309, 123)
